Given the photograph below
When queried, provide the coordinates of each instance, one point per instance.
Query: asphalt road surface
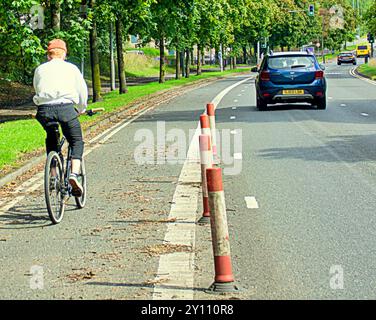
(301, 208)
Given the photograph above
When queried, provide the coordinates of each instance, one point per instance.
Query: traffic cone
(206, 157)
(210, 110)
(205, 124)
(224, 278)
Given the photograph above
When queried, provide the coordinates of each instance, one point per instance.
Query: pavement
(300, 197)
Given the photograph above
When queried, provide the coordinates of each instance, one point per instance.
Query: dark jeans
(67, 116)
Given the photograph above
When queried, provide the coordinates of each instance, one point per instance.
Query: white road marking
(251, 203)
(364, 114)
(238, 156)
(232, 117)
(352, 72)
(330, 98)
(233, 108)
(233, 132)
(178, 268)
(343, 105)
(236, 100)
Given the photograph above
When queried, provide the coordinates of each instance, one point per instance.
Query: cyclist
(61, 96)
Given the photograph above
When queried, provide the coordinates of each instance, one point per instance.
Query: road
(311, 174)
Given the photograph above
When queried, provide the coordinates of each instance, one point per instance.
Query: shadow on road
(350, 149)
(27, 217)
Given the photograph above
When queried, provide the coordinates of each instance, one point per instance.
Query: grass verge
(368, 70)
(19, 138)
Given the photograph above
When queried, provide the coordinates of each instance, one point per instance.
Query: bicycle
(57, 188)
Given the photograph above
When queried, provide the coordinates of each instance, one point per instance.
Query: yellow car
(363, 51)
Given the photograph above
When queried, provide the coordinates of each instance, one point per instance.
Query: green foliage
(370, 18)
(237, 24)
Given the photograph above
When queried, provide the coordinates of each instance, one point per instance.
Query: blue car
(287, 77)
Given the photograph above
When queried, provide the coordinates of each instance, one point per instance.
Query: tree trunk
(162, 62)
(187, 63)
(199, 68)
(112, 60)
(182, 64)
(55, 15)
(245, 55)
(120, 57)
(177, 72)
(94, 59)
(223, 58)
(233, 59)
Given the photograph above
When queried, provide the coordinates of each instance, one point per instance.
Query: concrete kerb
(355, 72)
(114, 116)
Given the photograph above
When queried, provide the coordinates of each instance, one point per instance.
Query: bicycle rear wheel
(54, 188)
(81, 201)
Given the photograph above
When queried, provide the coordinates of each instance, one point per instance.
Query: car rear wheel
(339, 63)
(261, 105)
(321, 103)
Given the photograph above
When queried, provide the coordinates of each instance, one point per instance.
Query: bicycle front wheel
(54, 187)
(81, 201)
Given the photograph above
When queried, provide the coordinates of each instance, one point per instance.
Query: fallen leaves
(81, 274)
(161, 249)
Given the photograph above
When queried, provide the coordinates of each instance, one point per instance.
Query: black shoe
(77, 189)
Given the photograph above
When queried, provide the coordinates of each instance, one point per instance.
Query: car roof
(291, 53)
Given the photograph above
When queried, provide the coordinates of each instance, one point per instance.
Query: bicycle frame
(65, 163)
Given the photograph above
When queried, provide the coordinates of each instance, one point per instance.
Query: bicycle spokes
(54, 187)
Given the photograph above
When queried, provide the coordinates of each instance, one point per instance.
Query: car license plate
(293, 92)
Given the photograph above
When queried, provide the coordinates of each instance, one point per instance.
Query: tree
(94, 55)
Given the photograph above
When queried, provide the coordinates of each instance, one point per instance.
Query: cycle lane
(111, 248)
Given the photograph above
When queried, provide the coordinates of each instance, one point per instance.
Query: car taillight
(265, 76)
(319, 75)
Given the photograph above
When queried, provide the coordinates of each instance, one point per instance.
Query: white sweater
(60, 82)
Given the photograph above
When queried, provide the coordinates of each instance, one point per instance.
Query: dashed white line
(364, 114)
(238, 156)
(233, 118)
(251, 203)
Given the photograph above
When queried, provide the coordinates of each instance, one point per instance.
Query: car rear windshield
(291, 62)
(362, 48)
(346, 54)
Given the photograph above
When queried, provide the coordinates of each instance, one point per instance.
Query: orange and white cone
(210, 110)
(205, 125)
(206, 157)
(224, 278)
